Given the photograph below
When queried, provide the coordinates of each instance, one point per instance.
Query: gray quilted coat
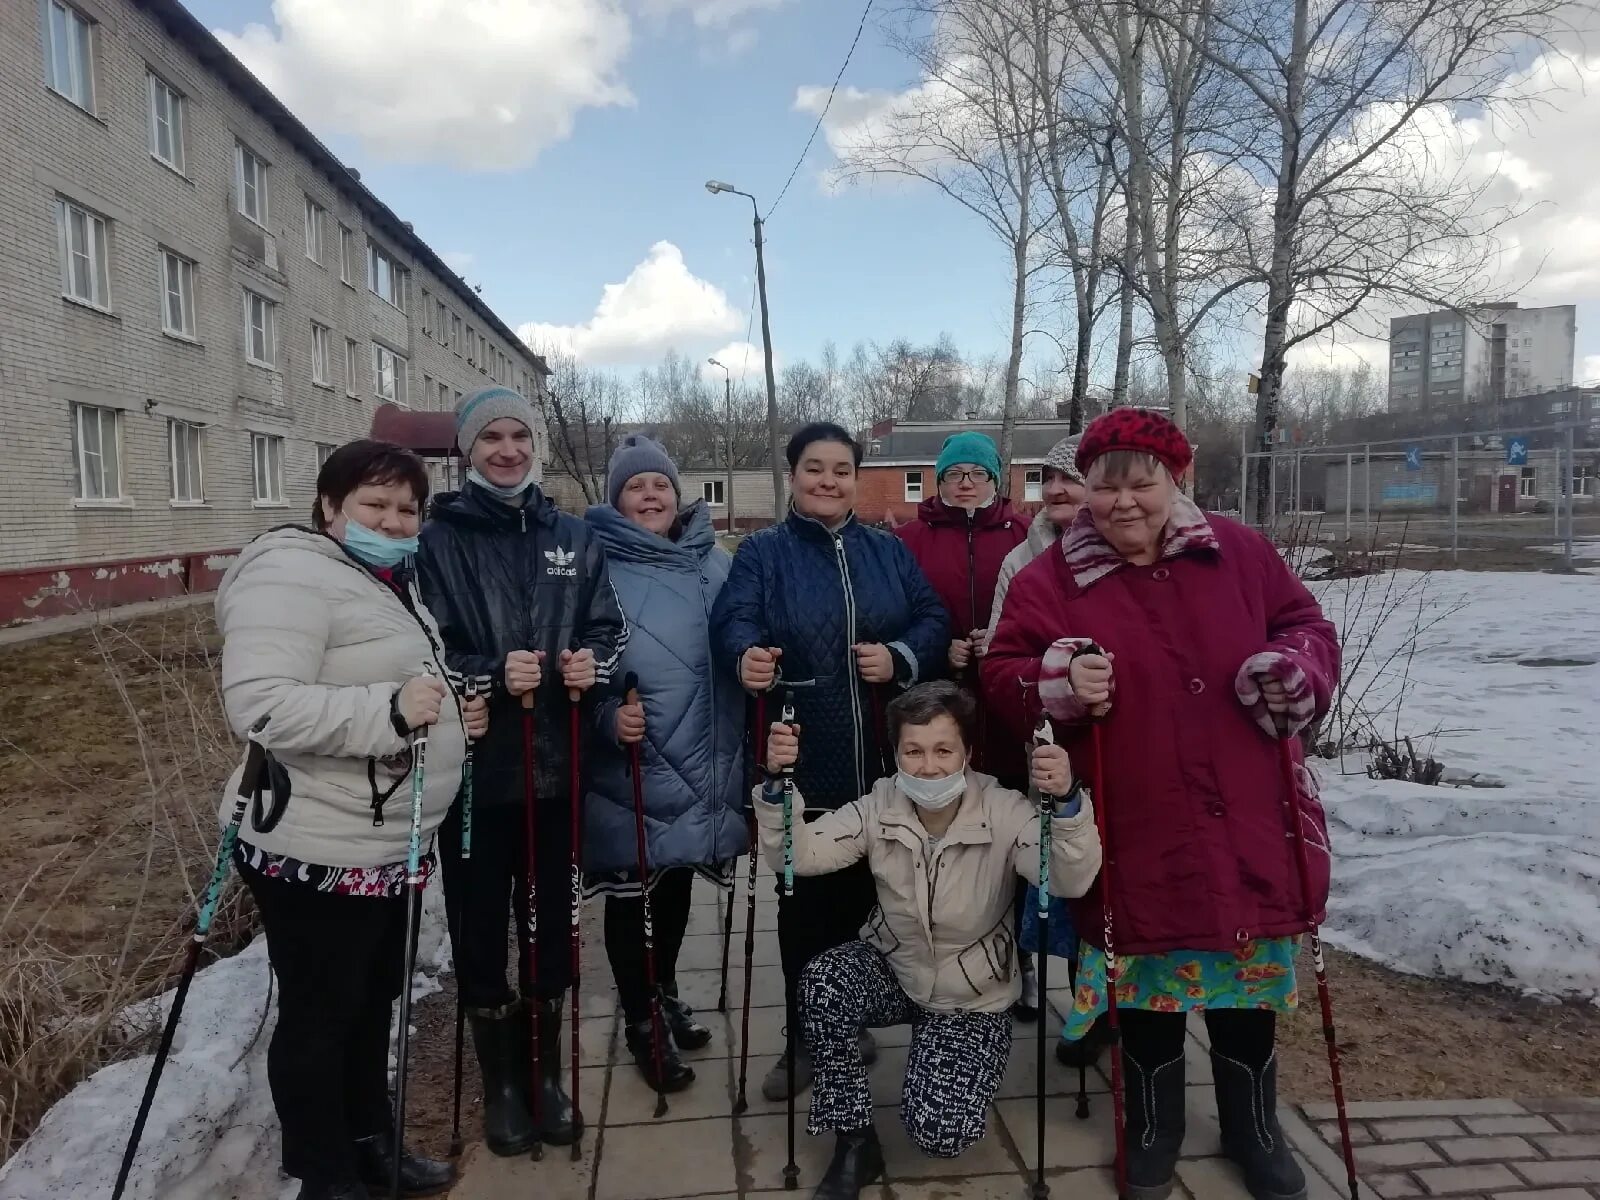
(693, 752)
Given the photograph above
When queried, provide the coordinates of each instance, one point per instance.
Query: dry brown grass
(113, 751)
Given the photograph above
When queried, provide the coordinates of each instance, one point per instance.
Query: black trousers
(1245, 1035)
(669, 916)
(482, 893)
(339, 962)
(825, 911)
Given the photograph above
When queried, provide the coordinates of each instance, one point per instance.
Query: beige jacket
(317, 644)
(945, 916)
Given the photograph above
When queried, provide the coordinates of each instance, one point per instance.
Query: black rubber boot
(857, 1163)
(1155, 1125)
(418, 1176)
(500, 1039)
(675, 1074)
(1086, 1051)
(688, 1033)
(558, 1121)
(1247, 1111)
(310, 1190)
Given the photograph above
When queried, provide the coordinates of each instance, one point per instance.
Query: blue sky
(560, 148)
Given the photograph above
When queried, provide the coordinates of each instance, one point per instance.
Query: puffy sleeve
(433, 565)
(737, 620)
(1301, 651)
(921, 647)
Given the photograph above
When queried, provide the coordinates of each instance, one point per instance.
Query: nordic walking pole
(531, 943)
(791, 1170)
(574, 700)
(470, 691)
(413, 894)
(250, 782)
(1292, 815)
(727, 938)
(1082, 1109)
(631, 686)
(1043, 735)
(740, 1103)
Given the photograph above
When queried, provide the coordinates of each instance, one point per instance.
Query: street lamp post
(727, 401)
(715, 186)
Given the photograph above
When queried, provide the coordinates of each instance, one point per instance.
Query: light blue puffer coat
(693, 752)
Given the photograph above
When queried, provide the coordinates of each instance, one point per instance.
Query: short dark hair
(363, 461)
(819, 431)
(924, 703)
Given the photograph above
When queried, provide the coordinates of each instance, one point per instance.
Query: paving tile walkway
(1497, 1149)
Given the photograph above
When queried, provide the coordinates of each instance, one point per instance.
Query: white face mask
(932, 794)
(504, 493)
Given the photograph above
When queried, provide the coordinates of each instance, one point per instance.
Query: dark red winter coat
(1193, 796)
(961, 558)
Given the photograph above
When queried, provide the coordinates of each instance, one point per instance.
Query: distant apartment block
(1479, 356)
(198, 302)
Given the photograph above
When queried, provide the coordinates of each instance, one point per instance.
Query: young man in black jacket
(522, 598)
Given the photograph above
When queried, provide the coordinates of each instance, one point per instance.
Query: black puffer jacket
(500, 578)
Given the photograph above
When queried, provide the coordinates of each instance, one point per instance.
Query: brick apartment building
(198, 302)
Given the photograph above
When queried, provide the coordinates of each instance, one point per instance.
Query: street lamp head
(716, 185)
(715, 363)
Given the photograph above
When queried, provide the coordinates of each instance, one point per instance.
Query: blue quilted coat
(693, 754)
(816, 594)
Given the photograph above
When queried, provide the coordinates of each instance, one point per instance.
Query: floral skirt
(1260, 974)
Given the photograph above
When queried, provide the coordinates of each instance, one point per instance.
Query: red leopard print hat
(1136, 429)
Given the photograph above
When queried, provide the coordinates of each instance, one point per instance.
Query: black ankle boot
(675, 1074)
(418, 1176)
(558, 1119)
(687, 1033)
(1247, 1111)
(1155, 1126)
(857, 1162)
(500, 1039)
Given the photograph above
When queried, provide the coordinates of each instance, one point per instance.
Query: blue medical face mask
(374, 548)
(505, 493)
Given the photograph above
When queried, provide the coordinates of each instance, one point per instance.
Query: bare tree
(584, 412)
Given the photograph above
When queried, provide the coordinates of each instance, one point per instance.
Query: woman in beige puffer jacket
(946, 845)
(325, 640)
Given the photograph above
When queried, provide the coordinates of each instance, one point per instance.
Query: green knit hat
(968, 447)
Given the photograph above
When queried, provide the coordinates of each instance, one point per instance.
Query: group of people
(883, 688)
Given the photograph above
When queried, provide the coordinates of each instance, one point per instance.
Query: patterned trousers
(952, 1073)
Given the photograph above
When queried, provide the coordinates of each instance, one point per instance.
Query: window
(96, 452)
(1527, 341)
(177, 295)
(351, 355)
(250, 174)
(388, 374)
(444, 396)
(260, 330)
(266, 453)
(441, 325)
(324, 452)
(69, 60)
(85, 261)
(1464, 485)
(913, 487)
(385, 276)
(347, 255)
(1561, 406)
(427, 312)
(472, 345)
(166, 123)
(1527, 484)
(1583, 479)
(427, 390)
(316, 222)
(1033, 483)
(455, 333)
(321, 354)
(711, 492)
(183, 452)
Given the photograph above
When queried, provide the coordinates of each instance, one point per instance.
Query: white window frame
(1464, 485)
(87, 463)
(472, 346)
(1560, 406)
(913, 487)
(425, 311)
(91, 246)
(396, 364)
(347, 254)
(444, 396)
(352, 357)
(176, 268)
(1033, 484)
(78, 84)
(378, 257)
(269, 330)
(1528, 484)
(266, 470)
(1583, 479)
(321, 354)
(324, 452)
(163, 95)
(442, 325)
(712, 491)
(191, 437)
(316, 231)
(263, 207)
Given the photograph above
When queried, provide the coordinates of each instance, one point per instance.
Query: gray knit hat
(477, 409)
(635, 456)
(1062, 457)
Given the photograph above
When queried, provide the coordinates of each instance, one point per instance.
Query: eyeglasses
(976, 475)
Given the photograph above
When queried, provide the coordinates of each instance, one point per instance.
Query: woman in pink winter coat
(1211, 649)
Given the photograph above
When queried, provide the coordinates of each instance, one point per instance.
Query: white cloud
(1589, 370)
(660, 306)
(484, 85)
(745, 362)
(709, 14)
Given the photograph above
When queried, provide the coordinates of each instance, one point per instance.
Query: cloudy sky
(555, 151)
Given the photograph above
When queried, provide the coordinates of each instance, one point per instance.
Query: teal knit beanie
(968, 447)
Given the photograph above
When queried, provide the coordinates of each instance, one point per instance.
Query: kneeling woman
(945, 845)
